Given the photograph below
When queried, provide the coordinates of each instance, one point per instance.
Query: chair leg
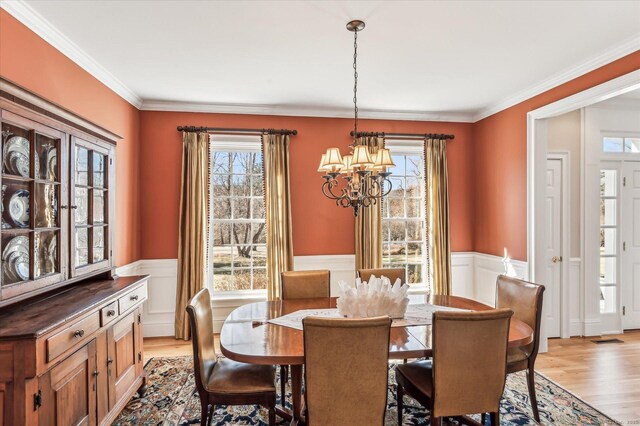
(532, 393)
(272, 416)
(436, 421)
(495, 418)
(284, 377)
(400, 402)
(483, 419)
(204, 413)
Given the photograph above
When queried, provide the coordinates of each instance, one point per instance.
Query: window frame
(619, 155)
(411, 148)
(231, 143)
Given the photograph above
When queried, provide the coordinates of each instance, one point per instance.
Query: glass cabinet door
(32, 199)
(89, 206)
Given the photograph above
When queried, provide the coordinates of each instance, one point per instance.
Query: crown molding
(302, 111)
(43, 28)
(596, 62)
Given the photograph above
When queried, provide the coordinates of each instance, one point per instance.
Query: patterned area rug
(171, 399)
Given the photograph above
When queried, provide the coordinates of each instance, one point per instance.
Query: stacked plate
(16, 156)
(15, 259)
(18, 208)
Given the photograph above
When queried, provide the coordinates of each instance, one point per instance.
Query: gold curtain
(278, 210)
(192, 234)
(368, 232)
(437, 217)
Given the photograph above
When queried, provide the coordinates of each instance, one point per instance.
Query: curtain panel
(368, 223)
(278, 210)
(192, 233)
(437, 216)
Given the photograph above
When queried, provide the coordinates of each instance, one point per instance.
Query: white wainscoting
(473, 276)
(576, 324)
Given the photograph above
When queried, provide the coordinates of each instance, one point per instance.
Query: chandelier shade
(332, 160)
(361, 157)
(383, 161)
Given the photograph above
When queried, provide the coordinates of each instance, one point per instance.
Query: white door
(630, 236)
(553, 282)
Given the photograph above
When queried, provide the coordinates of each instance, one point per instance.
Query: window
(403, 224)
(237, 228)
(608, 238)
(624, 145)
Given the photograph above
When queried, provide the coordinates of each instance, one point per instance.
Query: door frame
(565, 161)
(536, 168)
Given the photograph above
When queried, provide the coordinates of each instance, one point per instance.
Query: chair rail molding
(473, 276)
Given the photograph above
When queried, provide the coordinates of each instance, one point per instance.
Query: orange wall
(32, 63)
(500, 157)
(319, 227)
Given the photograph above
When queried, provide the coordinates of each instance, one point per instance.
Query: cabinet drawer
(133, 298)
(109, 313)
(71, 335)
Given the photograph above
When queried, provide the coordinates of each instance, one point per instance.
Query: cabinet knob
(64, 206)
(74, 207)
(78, 333)
(134, 297)
(111, 313)
(95, 373)
(109, 361)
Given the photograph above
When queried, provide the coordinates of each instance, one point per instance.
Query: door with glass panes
(90, 184)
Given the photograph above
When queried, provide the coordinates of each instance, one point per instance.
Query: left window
(237, 225)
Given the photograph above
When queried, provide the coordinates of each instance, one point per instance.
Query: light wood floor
(606, 375)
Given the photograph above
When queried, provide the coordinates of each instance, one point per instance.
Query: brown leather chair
(391, 273)
(525, 299)
(305, 284)
(221, 381)
(468, 370)
(346, 370)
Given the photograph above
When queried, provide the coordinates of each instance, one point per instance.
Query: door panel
(630, 235)
(123, 356)
(551, 305)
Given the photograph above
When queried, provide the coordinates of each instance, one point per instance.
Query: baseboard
(473, 276)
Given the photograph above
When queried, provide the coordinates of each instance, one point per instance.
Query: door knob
(556, 259)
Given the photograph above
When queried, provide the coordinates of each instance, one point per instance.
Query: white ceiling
(457, 59)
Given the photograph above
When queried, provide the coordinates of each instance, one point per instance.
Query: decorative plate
(18, 163)
(21, 266)
(8, 267)
(51, 163)
(19, 208)
(19, 244)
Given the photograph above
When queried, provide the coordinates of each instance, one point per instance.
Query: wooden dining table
(248, 337)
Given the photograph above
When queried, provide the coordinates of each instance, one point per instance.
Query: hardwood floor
(606, 375)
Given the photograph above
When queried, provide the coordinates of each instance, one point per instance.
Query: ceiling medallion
(365, 170)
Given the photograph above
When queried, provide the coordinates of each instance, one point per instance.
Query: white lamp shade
(333, 159)
(361, 157)
(346, 164)
(321, 166)
(384, 160)
(373, 160)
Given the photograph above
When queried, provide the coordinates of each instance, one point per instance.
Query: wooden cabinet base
(59, 366)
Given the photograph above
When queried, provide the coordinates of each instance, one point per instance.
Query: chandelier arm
(327, 189)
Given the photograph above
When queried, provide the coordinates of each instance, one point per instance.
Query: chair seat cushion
(231, 377)
(417, 375)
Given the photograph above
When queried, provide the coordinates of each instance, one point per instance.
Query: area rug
(171, 399)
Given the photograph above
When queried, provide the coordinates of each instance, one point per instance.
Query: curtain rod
(403, 135)
(227, 130)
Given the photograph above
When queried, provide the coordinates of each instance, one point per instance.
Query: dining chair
(305, 284)
(301, 285)
(221, 381)
(468, 370)
(391, 273)
(346, 370)
(525, 300)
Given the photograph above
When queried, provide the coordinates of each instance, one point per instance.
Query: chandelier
(365, 171)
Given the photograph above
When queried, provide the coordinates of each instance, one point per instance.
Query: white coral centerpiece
(374, 298)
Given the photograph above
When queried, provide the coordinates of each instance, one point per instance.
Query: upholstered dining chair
(301, 285)
(305, 284)
(221, 380)
(391, 273)
(346, 385)
(468, 370)
(525, 299)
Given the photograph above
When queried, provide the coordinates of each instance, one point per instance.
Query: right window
(621, 145)
(403, 215)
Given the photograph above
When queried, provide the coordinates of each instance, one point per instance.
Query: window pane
(399, 169)
(241, 233)
(241, 186)
(397, 230)
(259, 256)
(413, 207)
(414, 252)
(259, 233)
(608, 183)
(241, 256)
(257, 208)
(608, 270)
(608, 241)
(241, 208)
(397, 187)
(222, 280)
(414, 230)
(221, 163)
(259, 279)
(221, 185)
(222, 208)
(242, 279)
(414, 165)
(414, 274)
(612, 144)
(221, 234)
(221, 258)
(608, 212)
(607, 299)
(413, 187)
(257, 186)
(396, 207)
(632, 145)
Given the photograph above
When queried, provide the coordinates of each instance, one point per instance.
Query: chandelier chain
(355, 83)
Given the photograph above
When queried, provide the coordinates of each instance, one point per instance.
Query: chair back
(469, 361)
(201, 323)
(346, 370)
(391, 273)
(305, 284)
(525, 300)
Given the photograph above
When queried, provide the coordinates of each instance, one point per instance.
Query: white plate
(18, 244)
(16, 155)
(19, 208)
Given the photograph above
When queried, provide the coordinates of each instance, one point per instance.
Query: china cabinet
(70, 329)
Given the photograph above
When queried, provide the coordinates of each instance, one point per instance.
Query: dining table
(248, 336)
